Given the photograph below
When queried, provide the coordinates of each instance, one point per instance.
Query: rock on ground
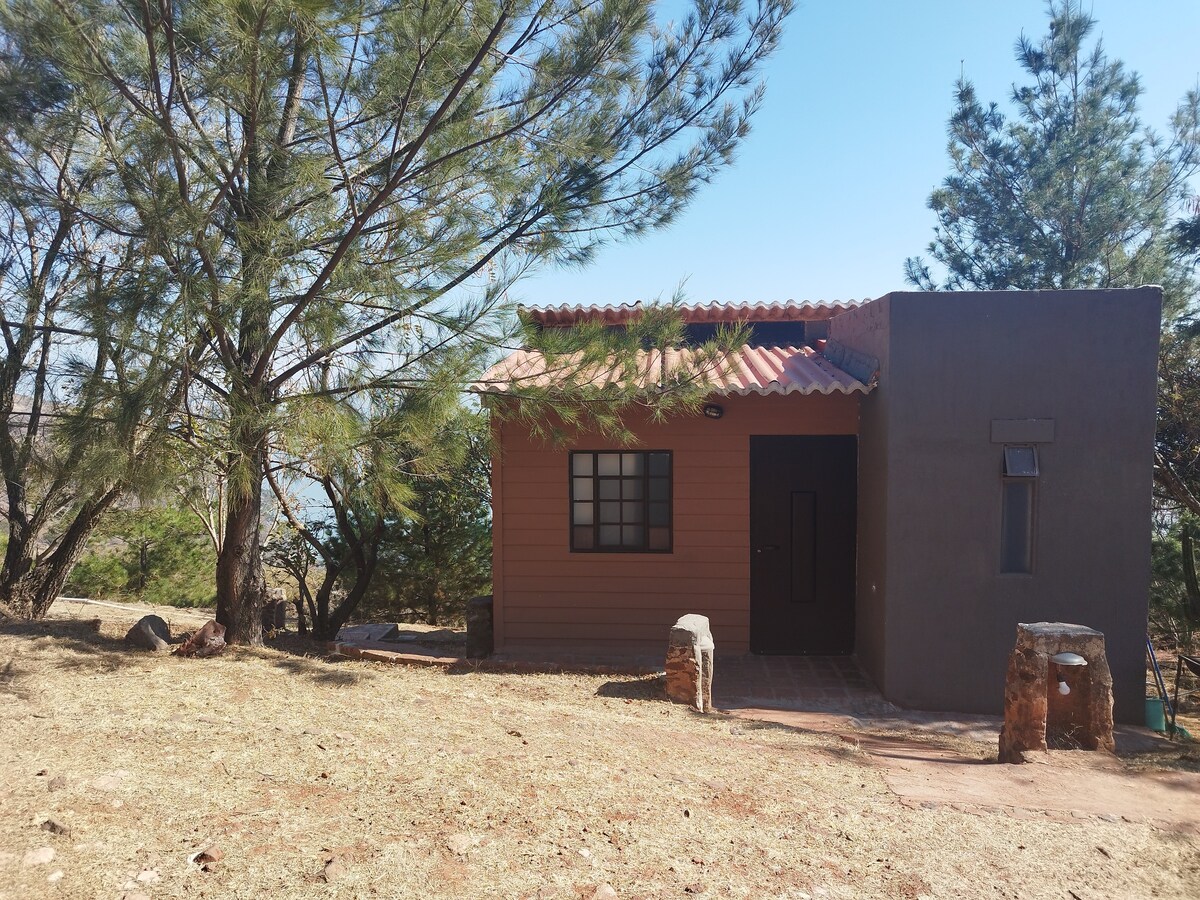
(150, 633)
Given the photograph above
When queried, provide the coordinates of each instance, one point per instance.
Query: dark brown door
(802, 544)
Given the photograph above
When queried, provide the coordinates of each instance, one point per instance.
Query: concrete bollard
(690, 662)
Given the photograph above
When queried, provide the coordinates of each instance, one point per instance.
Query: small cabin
(902, 480)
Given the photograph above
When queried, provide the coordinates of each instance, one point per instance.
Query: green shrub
(149, 554)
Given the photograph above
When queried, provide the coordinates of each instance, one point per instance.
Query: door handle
(766, 547)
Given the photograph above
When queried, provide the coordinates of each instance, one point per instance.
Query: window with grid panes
(621, 502)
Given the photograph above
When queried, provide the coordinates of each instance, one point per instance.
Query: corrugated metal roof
(786, 311)
(751, 370)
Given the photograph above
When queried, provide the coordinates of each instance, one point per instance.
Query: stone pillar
(1037, 716)
(479, 627)
(690, 663)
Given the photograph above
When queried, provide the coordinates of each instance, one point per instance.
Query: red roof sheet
(789, 311)
(751, 370)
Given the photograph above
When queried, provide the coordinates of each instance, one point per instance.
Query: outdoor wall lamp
(713, 411)
(1066, 659)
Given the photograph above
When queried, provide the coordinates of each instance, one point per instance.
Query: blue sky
(827, 196)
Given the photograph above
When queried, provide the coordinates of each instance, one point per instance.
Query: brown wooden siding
(548, 597)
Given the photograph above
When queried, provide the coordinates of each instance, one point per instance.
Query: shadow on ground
(320, 668)
(93, 649)
(649, 687)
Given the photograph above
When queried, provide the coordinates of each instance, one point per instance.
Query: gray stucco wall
(867, 329)
(936, 620)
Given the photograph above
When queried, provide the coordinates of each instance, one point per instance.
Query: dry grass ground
(423, 784)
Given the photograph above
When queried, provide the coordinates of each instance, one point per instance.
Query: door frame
(835, 545)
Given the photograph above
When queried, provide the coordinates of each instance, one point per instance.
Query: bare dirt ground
(318, 778)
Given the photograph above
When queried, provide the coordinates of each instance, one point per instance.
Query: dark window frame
(645, 501)
(1014, 475)
(1015, 466)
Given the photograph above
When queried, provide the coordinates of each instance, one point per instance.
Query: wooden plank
(729, 519)
(691, 539)
(642, 585)
(713, 485)
(548, 505)
(722, 554)
(533, 498)
(614, 631)
(667, 613)
(713, 475)
(538, 537)
(616, 648)
(596, 648)
(499, 543)
(634, 565)
(521, 466)
(556, 539)
(710, 506)
(521, 455)
(628, 599)
(686, 542)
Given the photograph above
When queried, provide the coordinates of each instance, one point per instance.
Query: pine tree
(438, 556)
(85, 386)
(1072, 191)
(330, 190)
(1177, 442)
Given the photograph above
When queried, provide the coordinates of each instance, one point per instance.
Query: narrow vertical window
(620, 502)
(1017, 510)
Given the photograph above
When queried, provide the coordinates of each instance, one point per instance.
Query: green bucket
(1156, 717)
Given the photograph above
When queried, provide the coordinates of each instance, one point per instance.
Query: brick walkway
(800, 683)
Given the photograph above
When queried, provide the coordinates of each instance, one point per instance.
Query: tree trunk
(31, 596)
(28, 587)
(312, 612)
(301, 623)
(329, 619)
(340, 615)
(1191, 584)
(241, 585)
(321, 603)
